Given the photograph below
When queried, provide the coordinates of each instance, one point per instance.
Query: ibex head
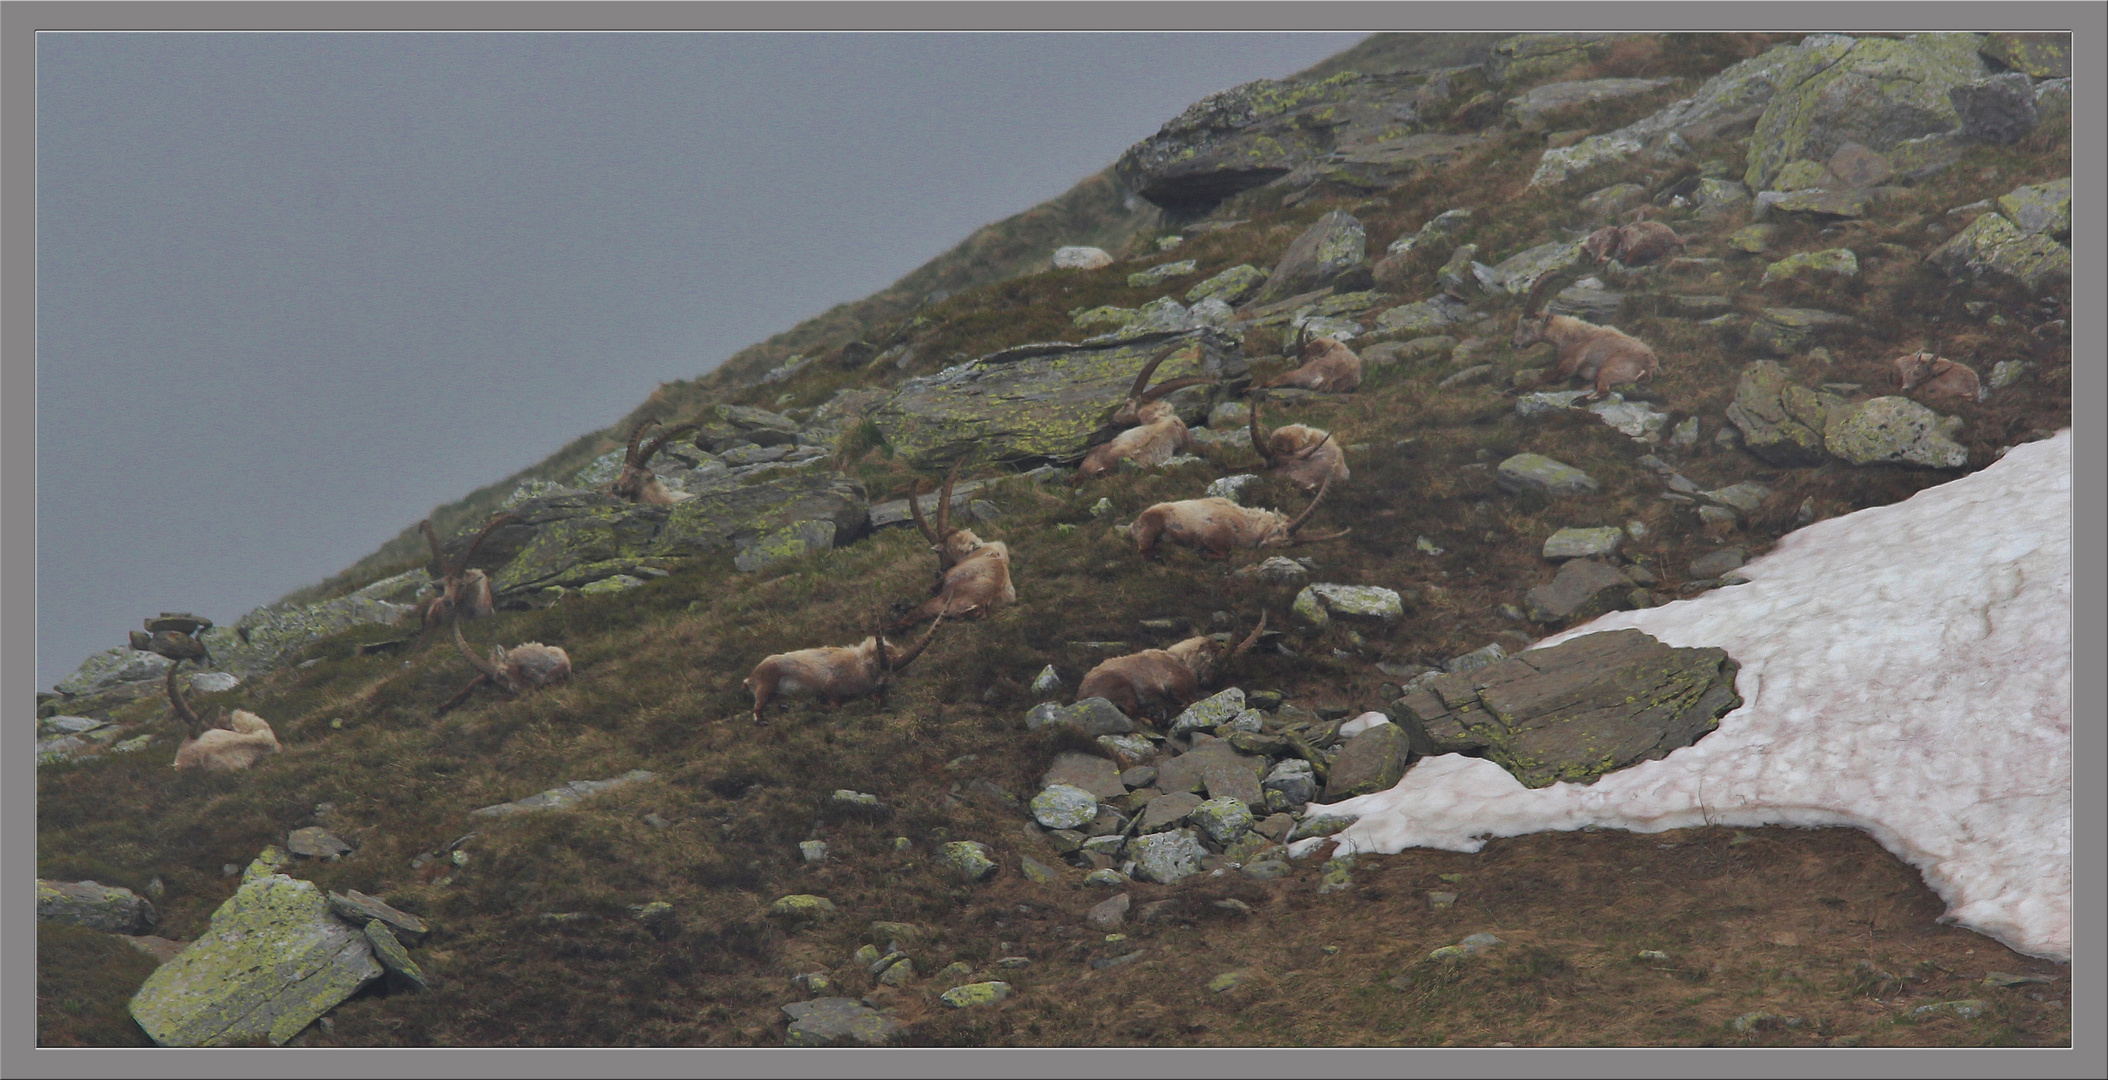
(948, 541)
(636, 482)
(1141, 406)
(1210, 659)
(1263, 441)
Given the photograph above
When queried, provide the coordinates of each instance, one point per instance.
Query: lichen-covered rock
(315, 842)
(1893, 430)
(1716, 197)
(836, 1021)
(1802, 174)
(1372, 761)
(1879, 92)
(972, 994)
(95, 906)
(2044, 56)
(1992, 245)
(1210, 712)
(1081, 258)
(1609, 203)
(1821, 203)
(1043, 400)
(1582, 589)
(1166, 857)
(1786, 331)
(272, 961)
(1573, 543)
(1543, 475)
(1381, 165)
(1535, 56)
(392, 956)
(1421, 317)
(1589, 706)
(1232, 286)
(1831, 262)
(111, 667)
(1535, 109)
(1588, 300)
(1156, 275)
(1318, 604)
(1331, 246)
(358, 909)
(1105, 315)
(1060, 806)
(968, 858)
(1224, 818)
(564, 797)
(2000, 109)
(1294, 779)
(2040, 208)
(1167, 810)
(798, 909)
(1752, 238)
(1517, 274)
(1092, 716)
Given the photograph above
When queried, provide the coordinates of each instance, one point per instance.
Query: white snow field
(1906, 670)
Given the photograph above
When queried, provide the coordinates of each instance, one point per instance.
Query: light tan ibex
(458, 588)
(1218, 526)
(513, 671)
(1157, 433)
(973, 575)
(1304, 456)
(1608, 356)
(1161, 682)
(1635, 243)
(225, 745)
(1324, 365)
(1936, 376)
(636, 482)
(835, 673)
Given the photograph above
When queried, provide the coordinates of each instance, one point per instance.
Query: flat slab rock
(835, 1021)
(1097, 775)
(1574, 712)
(563, 798)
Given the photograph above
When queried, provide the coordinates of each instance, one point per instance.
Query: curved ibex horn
(1534, 303)
(190, 719)
(432, 538)
(660, 440)
(469, 552)
(896, 665)
(1312, 508)
(629, 455)
(915, 495)
(1253, 639)
(489, 670)
(944, 504)
(1258, 441)
(1135, 392)
(1314, 448)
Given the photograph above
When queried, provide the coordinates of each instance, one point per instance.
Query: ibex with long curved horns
(1218, 526)
(973, 575)
(459, 589)
(237, 743)
(636, 482)
(1161, 682)
(835, 673)
(1324, 364)
(1606, 355)
(513, 671)
(1157, 433)
(1304, 456)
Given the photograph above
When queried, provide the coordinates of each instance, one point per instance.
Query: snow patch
(1906, 670)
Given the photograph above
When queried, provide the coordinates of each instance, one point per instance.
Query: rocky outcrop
(2020, 241)
(1878, 92)
(1542, 105)
(1572, 713)
(1329, 248)
(1789, 425)
(838, 1021)
(1037, 401)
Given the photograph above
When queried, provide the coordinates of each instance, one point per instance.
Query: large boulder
(1369, 762)
(2000, 109)
(1589, 706)
(1519, 273)
(95, 906)
(1880, 92)
(838, 1021)
(2019, 242)
(1038, 401)
(1781, 421)
(1582, 589)
(1331, 246)
(273, 960)
(1893, 430)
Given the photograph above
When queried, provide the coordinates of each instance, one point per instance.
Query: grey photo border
(19, 21)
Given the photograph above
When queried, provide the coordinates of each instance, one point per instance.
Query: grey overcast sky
(295, 290)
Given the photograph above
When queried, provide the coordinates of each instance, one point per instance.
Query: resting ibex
(636, 482)
(1158, 432)
(244, 738)
(1161, 682)
(973, 575)
(1636, 243)
(1304, 456)
(1606, 355)
(1325, 365)
(513, 671)
(834, 673)
(1936, 376)
(1217, 526)
(459, 589)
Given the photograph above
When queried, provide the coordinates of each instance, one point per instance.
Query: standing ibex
(1635, 243)
(1217, 526)
(1604, 354)
(1324, 365)
(1158, 432)
(636, 482)
(1160, 682)
(244, 739)
(1304, 456)
(513, 671)
(459, 589)
(973, 575)
(834, 673)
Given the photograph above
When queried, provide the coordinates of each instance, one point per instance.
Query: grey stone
(271, 962)
(1517, 274)
(1893, 430)
(1188, 771)
(1582, 589)
(1157, 275)
(1081, 258)
(1573, 543)
(1830, 262)
(1421, 318)
(1166, 857)
(1815, 202)
(1060, 806)
(1993, 246)
(1279, 570)
(1331, 246)
(1108, 914)
(1223, 818)
(1589, 301)
(897, 511)
(1125, 748)
(565, 797)
(358, 909)
(1605, 204)
(1878, 92)
(1573, 712)
(968, 858)
(2043, 209)
(1232, 286)
(393, 957)
(1092, 716)
(1209, 712)
(2043, 55)
(74, 725)
(2005, 373)
(315, 842)
(1166, 811)
(1233, 781)
(214, 682)
(95, 906)
(1096, 775)
(1717, 563)
(1543, 475)
(837, 1021)
(2000, 109)
(1318, 604)
(1140, 776)
(1372, 761)
(1779, 420)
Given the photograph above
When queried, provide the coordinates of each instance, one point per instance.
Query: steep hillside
(973, 856)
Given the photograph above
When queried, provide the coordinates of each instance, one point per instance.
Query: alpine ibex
(1217, 526)
(1157, 433)
(834, 673)
(1161, 682)
(973, 575)
(1936, 376)
(513, 671)
(1604, 354)
(636, 482)
(459, 589)
(1635, 243)
(1304, 456)
(1325, 365)
(229, 743)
